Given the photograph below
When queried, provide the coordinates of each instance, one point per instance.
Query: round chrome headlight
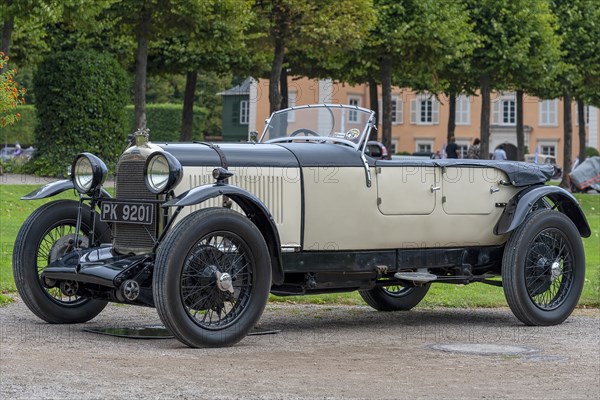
(162, 172)
(88, 172)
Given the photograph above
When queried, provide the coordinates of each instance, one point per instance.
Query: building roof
(239, 90)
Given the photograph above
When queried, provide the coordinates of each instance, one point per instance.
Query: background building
(419, 120)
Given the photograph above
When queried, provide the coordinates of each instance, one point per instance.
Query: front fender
(53, 189)
(521, 204)
(252, 206)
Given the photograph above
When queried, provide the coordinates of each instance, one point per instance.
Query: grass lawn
(14, 211)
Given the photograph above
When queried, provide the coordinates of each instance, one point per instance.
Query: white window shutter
(496, 112)
(435, 111)
(399, 111)
(413, 111)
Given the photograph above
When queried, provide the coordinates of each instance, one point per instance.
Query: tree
(313, 29)
(508, 32)
(412, 42)
(537, 70)
(207, 37)
(579, 28)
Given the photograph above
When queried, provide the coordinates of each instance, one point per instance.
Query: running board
(421, 277)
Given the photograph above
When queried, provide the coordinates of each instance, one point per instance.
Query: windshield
(335, 122)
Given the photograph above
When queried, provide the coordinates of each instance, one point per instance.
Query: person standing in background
(473, 151)
(499, 153)
(451, 148)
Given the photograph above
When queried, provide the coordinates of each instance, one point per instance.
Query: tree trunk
(386, 97)
(141, 64)
(581, 121)
(451, 116)
(568, 138)
(187, 116)
(520, 128)
(484, 129)
(7, 30)
(283, 87)
(274, 79)
(374, 104)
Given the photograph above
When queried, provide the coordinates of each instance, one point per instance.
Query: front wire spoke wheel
(212, 278)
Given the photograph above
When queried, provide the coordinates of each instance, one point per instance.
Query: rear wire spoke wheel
(394, 298)
(212, 278)
(46, 235)
(543, 268)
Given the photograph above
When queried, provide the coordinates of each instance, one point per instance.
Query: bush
(591, 152)
(164, 121)
(81, 97)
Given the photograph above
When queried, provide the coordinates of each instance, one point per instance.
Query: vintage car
(205, 232)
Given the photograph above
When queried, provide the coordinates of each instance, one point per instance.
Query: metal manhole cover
(485, 349)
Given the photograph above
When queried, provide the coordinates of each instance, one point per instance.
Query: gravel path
(321, 352)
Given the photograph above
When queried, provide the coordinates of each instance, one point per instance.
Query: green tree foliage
(314, 30)
(203, 37)
(579, 28)
(512, 51)
(411, 43)
(80, 104)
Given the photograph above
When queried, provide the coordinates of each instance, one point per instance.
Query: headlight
(88, 172)
(162, 172)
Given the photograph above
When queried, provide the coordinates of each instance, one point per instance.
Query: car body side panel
(471, 190)
(343, 215)
(278, 188)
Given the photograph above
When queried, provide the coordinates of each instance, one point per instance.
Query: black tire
(43, 238)
(188, 298)
(394, 298)
(543, 268)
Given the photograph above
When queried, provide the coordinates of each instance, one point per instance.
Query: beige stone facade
(420, 120)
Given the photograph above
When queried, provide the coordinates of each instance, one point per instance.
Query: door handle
(435, 188)
(494, 190)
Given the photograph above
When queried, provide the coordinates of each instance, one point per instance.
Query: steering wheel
(307, 132)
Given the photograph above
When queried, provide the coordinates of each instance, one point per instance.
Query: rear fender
(521, 204)
(251, 205)
(54, 188)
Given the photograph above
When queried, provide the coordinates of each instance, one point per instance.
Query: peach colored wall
(310, 91)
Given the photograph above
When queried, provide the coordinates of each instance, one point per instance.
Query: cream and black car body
(205, 232)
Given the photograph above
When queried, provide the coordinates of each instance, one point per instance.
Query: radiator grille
(130, 185)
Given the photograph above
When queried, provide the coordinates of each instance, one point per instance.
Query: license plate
(132, 213)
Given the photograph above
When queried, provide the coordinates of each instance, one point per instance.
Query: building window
(397, 110)
(504, 111)
(291, 115)
(424, 110)
(463, 146)
(424, 146)
(463, 110)
(244, 112)
(353, 114)
(548, 150)
(549, 113)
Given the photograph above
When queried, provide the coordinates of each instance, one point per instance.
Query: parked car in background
(377, 150)
(548, 160)
(204, 232)
(7, 153)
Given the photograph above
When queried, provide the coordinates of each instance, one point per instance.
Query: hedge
(164, 121)
(80, 99)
